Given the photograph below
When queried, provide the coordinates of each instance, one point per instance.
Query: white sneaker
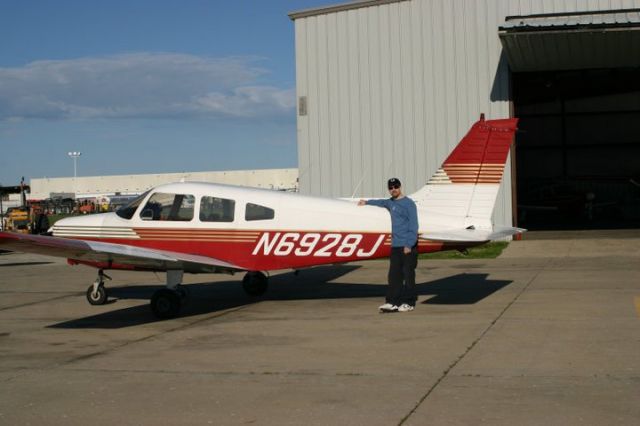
(388, 307)
(405, 307)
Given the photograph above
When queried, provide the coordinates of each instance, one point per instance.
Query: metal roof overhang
(571, 41)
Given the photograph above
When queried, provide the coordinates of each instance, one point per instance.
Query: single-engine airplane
(211, 228)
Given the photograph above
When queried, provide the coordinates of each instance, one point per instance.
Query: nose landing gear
(97, 293)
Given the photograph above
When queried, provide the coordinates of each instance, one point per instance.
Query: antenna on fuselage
(358, 186)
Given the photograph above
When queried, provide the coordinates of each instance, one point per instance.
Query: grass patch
(489, 250)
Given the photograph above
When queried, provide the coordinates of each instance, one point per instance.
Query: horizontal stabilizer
(471, 234)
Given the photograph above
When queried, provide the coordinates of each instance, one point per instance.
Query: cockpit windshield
(126, 212)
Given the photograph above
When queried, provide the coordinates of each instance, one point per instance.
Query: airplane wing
(471, 234)
(121, 254)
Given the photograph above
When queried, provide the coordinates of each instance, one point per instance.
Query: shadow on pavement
(312, 284)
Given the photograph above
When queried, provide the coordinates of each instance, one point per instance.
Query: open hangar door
(578, 149)
(575, 86)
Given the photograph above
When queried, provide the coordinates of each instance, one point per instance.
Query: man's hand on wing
(362, 202)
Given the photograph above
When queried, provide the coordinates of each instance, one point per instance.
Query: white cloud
(140, 85)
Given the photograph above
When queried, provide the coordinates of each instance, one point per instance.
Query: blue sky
(141, 86)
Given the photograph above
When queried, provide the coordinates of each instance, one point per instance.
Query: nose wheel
(97, 292)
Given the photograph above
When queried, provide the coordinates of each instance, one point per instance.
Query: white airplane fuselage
(304, 231)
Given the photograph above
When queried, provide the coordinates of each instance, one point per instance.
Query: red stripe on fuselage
(279, 249)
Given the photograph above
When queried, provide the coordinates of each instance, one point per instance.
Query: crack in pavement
(221, 373)
(6, 308)
(149, 337)
(473, 344)
(130, 342)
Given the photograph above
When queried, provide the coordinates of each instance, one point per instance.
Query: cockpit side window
(258, 212)
(171, 207)
(213, 209)
(127, 211)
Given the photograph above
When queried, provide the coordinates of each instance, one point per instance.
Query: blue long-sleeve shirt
(404, 220)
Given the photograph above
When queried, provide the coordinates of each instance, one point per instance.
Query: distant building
(95, 186)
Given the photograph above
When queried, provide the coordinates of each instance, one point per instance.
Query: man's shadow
(312, 284)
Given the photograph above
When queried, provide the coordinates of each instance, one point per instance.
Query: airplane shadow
(312, 284)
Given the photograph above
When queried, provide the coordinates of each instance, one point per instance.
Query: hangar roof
(569, 41)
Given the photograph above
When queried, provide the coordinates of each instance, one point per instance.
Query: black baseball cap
(394, 182)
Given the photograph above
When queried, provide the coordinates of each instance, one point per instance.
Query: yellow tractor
(17, 219)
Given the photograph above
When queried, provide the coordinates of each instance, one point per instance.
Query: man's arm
(378, 203)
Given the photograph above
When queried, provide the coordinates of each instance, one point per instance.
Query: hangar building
(388, 87)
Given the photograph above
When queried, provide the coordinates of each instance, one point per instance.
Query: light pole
(75, 155)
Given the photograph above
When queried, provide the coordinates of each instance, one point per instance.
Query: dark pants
(402, 277)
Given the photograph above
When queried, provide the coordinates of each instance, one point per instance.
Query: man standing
(401, 292)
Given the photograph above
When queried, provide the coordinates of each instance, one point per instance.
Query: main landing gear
(167, 302)
(255, 283)
(97, 293)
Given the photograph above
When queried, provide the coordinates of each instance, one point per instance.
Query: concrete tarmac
(548, 333)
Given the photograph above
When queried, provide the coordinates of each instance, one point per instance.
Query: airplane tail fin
(466, 185)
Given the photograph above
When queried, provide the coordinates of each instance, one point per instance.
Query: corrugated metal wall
(392, 88)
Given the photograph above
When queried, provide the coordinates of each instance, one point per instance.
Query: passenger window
(257, 212)
(172, 207)
(213, 209)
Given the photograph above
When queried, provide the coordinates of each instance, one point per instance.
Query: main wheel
(255, 283)
(183, 292)
(98, 297)
(165, 304)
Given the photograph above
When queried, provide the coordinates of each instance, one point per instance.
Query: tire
(183, 292)
(255, 283)
(165, 304)
(100, 297)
